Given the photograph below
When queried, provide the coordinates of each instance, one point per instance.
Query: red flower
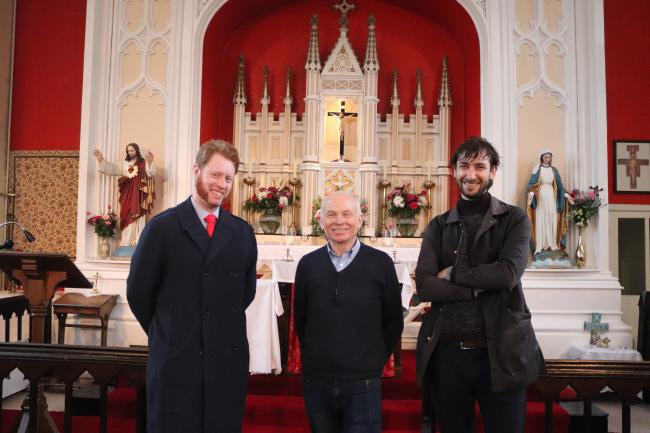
(413, 205)
(269, 195)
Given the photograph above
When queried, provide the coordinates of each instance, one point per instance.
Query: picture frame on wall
(632, 166)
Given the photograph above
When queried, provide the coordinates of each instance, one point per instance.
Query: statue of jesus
(136, 187)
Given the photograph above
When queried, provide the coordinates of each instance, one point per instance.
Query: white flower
(284, 201)
(422, 201)
(261, 195)
(398, 201)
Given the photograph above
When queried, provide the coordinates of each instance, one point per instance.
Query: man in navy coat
(191, 278)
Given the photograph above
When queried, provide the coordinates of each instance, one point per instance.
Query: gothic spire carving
(266, 99)
(394, 100)
(372, 62)
(313, 56)
(444, 100)
(239, 97)
(288, 99)
(419, 102)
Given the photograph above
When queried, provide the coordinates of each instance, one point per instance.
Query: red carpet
(275, 405)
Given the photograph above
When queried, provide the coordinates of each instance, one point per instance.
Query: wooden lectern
(39, 274)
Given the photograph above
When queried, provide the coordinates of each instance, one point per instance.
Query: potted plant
(270, 202)
(104, 225)
(405, 206)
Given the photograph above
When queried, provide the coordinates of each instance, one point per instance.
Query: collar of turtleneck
(478, 205)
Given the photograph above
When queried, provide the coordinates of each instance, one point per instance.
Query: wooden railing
(13, 307)
(588, 378)
(67, 363)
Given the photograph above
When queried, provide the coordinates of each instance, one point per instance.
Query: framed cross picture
(632, 166)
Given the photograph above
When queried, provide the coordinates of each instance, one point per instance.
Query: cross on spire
(344, 7)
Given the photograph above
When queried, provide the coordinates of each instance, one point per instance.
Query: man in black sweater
(476, 343)
(348, 318)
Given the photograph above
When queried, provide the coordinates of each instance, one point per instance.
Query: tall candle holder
(384, 184)
(249, 181)
(295, 183)
(429, 184)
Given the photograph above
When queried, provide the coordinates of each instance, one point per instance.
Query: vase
(407, 226)
(271, 221)
(580, 255)
(104, 248)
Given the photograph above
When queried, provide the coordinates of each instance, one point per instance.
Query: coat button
(235, 348)
(428, 339)
(200, 353)
(207, 313)
(235, 311)
(206, 275)
(233, 274)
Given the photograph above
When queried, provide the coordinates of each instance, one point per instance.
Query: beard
(485, 186)
(204, 194)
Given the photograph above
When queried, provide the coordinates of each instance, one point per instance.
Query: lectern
(39, 274)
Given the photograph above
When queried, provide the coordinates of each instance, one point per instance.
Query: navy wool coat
(190, 293)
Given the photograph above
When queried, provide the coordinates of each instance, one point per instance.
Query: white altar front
(560, 300)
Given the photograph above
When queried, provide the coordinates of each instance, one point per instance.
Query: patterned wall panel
(45, 184)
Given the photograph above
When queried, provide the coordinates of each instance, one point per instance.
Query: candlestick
(249, 168)
(383, 184)
(429, 185)
(295, 183)
(249, 181)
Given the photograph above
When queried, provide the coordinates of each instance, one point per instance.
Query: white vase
(104, 248)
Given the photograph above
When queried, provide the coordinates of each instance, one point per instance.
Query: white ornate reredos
(274, 146)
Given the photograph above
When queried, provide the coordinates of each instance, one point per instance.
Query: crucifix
(633, 165)
(596, 327)
(341, 115)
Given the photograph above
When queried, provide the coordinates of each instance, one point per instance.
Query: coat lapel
(193, 227)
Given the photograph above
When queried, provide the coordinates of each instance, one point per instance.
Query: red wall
(627, 45)
(406, 39)
(48, 75)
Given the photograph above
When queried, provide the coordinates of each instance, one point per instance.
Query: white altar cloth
(262, 329)
(590, 352)
(285, 272)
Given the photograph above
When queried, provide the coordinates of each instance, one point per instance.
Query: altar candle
(428, 171)
(249, 168)
(385, 177)
(294, 169)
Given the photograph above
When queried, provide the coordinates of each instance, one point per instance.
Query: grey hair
(327, 200)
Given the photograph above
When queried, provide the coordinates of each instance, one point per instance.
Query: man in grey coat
(476, 343)
(192, 276)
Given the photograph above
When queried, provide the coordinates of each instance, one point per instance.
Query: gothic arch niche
(278, 35)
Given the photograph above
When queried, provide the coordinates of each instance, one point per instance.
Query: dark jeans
(457, 379)
(343, 406)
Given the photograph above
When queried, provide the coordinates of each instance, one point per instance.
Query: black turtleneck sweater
(466, 317)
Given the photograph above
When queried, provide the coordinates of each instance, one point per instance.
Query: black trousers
(457, 379)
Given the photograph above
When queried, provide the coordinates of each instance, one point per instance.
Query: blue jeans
(343, 406)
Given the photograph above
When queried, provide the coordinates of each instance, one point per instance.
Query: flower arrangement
(270, 199)
(583, 205)
(403, 204)
(104, 224)
(316, 215)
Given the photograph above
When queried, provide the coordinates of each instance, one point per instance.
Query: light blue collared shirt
(202, 213)
(341, 262)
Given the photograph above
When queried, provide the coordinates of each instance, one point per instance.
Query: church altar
(560, 299)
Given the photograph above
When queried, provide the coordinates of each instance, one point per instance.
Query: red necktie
(211, 219)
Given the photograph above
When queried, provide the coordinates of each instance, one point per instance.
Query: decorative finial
(266, 99)
(288, 99)
(444, 100)
(240, 92)
(394, 100)
(344, 7)
(372, 62)
(313, 55)
(419, 102)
